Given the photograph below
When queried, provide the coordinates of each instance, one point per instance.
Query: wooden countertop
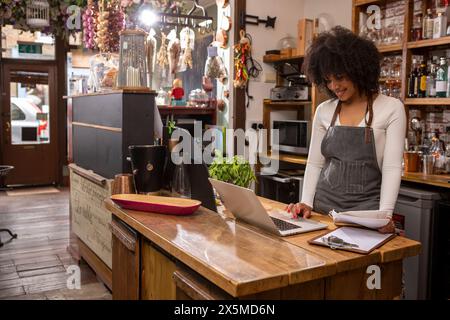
(243, 260)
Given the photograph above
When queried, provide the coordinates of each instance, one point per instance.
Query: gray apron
(351, 178)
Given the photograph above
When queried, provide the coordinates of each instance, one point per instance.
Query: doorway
(29, 123)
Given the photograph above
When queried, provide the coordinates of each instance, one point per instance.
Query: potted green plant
(235, 170)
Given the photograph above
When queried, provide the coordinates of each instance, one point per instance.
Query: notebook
(353, 239)
(372, 219)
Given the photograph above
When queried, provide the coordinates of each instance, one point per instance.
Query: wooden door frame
(60, 85)
(34, 66)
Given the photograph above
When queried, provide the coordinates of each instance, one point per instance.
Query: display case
(132, 65)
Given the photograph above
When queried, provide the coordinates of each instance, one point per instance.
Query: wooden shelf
(429, 43)
(359, 3)
(434, 180)
(286, 103)
(278, 59)
(427, 101)
(387, 48)
(290, 158)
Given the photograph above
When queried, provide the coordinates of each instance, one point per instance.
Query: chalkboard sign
(90, 219)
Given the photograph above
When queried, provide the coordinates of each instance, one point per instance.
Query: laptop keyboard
(284, 225)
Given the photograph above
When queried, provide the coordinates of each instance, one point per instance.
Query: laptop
(245, 206)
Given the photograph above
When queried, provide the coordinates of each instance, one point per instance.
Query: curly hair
(341, 52)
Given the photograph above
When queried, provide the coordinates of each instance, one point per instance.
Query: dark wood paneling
(118, 120)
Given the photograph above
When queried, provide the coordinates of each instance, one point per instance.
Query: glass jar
(181, 185)
(439, 155)
(198, 98)
(163, 98)
(103, 71)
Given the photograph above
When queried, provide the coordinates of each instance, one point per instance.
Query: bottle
(447, 159)
(437, 151)
(422, 79)
(440, 26)
(413, 84)
(417, 28)
(431, 81)
(428, 23)
(442, 79)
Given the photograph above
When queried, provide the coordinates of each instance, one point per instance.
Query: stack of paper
(373, 219)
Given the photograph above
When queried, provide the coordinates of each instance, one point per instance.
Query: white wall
(288, 12)
(338, 11)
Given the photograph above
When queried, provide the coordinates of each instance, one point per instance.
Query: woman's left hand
(389, 228)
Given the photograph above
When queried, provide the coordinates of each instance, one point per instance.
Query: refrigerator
(415, 216)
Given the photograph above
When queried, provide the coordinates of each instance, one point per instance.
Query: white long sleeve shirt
(389, 128)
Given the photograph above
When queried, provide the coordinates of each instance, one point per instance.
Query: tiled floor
(34, 265)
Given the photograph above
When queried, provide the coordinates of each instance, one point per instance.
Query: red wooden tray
(156, 204)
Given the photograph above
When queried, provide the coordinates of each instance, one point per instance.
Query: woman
(355, 157)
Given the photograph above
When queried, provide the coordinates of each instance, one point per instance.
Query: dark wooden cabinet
(104, 125)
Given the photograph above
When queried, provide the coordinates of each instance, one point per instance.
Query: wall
(288, 12)
(338, 12)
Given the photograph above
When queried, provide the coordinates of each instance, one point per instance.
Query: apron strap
(336, 113)
(367, 135)
(369, 110)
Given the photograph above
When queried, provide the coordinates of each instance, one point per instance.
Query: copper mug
(412, 161)
(123, 184)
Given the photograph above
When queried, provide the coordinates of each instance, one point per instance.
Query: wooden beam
(61, 90)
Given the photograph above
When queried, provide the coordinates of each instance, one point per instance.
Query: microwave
(294, 136)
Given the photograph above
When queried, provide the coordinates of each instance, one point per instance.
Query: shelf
(286, 103)
(434, 180)
(387, 48)
(427, 101)
(429, 43)
(359, 3)
(185, 110)
(290, 158)
(278, 59)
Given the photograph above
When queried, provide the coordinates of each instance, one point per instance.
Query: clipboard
(367, 240)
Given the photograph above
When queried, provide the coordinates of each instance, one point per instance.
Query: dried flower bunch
(13, 12)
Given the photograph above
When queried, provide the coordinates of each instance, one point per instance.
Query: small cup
(412, 161)
(428, 164)
(123, 184)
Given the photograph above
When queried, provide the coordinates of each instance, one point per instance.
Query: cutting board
(156, 204)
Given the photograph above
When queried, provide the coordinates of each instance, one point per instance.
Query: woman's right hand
(299, 209)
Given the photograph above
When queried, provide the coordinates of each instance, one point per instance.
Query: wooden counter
(235, 260)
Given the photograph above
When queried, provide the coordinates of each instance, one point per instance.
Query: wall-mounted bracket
(255, 20)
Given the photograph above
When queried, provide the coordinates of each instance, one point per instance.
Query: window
(16, 113)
